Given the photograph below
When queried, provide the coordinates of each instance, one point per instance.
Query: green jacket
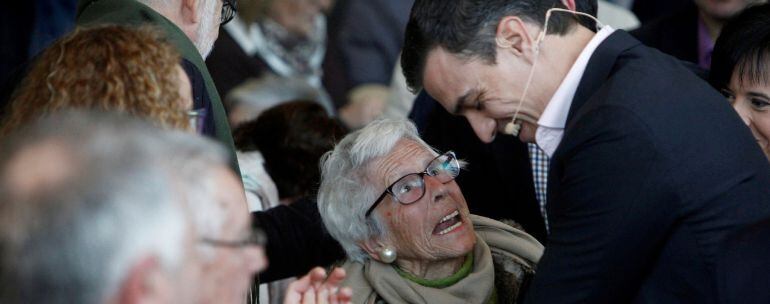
(131, 12)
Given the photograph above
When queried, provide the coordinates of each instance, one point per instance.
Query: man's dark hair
(292, 137)
(590, 7)
(743, 47)
(468, 28)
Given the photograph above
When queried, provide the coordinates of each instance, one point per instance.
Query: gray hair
(190, 160)
(346, 192)
(75, 240)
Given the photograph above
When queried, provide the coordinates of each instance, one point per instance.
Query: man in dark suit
(651, 169)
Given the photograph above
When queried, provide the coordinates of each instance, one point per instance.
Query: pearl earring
(387, 255)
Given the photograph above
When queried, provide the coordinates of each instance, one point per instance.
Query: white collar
(554, 118)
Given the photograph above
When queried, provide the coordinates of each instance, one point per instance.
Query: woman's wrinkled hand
(318, 288)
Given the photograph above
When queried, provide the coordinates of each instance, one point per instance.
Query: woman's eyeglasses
(411, 187)
(229, 8)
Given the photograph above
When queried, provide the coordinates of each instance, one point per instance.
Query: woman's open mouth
(448, 223)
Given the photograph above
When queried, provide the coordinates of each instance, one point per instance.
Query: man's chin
(527, 133)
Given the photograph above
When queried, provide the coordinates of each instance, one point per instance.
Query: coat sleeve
(297, 240)
(609, 211)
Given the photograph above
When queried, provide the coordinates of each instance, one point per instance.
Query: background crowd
(336, 151)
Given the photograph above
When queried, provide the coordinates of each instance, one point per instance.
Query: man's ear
(144, 283)
(372, 247)
(513, 35)
(570, 4)
(189, 11)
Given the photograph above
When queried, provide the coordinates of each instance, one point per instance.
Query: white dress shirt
(551, 124)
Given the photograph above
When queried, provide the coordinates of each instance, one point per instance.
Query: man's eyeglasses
(411, 187)
(255, 238)
(196, 119)
(229, 8)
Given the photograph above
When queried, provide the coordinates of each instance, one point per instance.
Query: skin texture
(493, 91)
(752, 102)
(410, 228)
(228, 274)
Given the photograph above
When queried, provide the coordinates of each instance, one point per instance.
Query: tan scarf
(373, 279)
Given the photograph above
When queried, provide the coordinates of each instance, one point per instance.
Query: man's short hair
(468, 28)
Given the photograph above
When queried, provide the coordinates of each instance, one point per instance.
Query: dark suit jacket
(131, 12)
(654, 170)
(743, 266)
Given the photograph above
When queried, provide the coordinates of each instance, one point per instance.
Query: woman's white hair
(346, 191)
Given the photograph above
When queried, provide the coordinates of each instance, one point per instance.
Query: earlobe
(370, 247)
(379, 251)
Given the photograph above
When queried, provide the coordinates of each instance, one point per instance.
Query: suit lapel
(597, 72)
(599, 68)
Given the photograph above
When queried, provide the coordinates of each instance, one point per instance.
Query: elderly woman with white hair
(393, 204)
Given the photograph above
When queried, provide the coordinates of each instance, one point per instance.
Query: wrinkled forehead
(407, 156)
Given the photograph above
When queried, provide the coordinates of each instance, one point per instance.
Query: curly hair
(112, 68)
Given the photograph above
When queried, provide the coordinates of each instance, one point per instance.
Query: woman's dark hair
(743, 47)
(292, 137)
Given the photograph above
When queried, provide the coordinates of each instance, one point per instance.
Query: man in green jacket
(190, 25)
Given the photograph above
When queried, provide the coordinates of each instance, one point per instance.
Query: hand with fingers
(318, 288)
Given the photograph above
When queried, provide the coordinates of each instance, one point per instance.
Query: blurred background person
(75, 179)
(284, 39)
(279, 154)
(741, 70)
(365, 40)
(250, 99)
(106, 68)
(291, 137)
(689, 33)
(89, 216)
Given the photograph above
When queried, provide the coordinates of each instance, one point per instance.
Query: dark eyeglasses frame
(229, 8)
(422, 174)
(255, 238)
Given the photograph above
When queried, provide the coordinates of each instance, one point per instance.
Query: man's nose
(484, 127)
